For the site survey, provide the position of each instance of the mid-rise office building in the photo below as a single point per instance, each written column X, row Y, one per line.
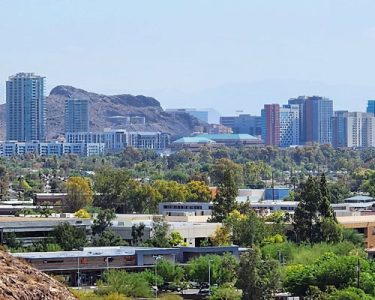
column 340, row 129
column 300, row 101
column 289, row 125
column 25, row 108
column 360, row 129
column 271, row 124
column 116, row 140
column 201, row 115
column 318, row 112
column 243, row 124
column 353, row 129
column 76, row 115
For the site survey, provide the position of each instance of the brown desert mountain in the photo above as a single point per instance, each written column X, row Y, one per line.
column 109, row 112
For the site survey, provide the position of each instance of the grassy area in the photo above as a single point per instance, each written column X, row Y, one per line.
column 290, row 253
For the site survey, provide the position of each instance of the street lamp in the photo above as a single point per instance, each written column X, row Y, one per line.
column 156, row 257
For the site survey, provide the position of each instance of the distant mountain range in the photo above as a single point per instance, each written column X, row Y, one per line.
column 108, row 112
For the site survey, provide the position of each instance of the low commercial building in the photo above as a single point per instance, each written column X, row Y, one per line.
column 230, row 140
column 84, row 266
column 31, row 229
column 13, row 209
column 194, row 231
column 185, row 208
column 54, row 199
column 276, row 193
column 364, row 225
column 267, row 207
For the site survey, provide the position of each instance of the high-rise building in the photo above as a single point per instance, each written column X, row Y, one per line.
column 25, row 108
column 300, row 101
column 371, row 107
column 360, row 129
column 340, row 129
column 76, row 115
column 317, row 120
column 271, row 124
column 289, row 125
column 228, row 121
column 201, row 115
column 243, row 124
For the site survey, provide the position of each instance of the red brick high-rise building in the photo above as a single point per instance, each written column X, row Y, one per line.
column 271, row 124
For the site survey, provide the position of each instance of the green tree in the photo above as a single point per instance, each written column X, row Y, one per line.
column 338, row 191
column 350, row 294
column 108, row 238
column 159, row 235
column 225, row 200
column 69, row 237
column 223, row 269
column 314, row 219
column 112, row 188
column 129, row 284
column 329, row 270
column 79, row 193
column 176, row 239
column 170, row 272
column 137, row 233
column 103, row 235
column 220, row 170
column 198, row 191
column 225, row 292
column 258, row 279
column 171, row 191
column 103, row 221
column 368, row 184
column 246, row 229
column 325, row 209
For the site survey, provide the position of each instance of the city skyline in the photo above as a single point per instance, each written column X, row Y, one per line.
column 232, row 57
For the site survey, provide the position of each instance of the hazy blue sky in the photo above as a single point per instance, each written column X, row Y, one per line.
column 227, row 55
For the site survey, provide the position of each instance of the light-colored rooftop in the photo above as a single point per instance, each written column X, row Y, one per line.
column 194, row 140
column 89, row 252
column 356, row 219
column 228, row 136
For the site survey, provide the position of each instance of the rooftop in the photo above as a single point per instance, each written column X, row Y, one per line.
column 356, row 219
column 90, row 251
column 359, row 198
column 228, row 136
column 194, row 140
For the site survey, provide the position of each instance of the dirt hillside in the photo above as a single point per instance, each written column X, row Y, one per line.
column 19, row 281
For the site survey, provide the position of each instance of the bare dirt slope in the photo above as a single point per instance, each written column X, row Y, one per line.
column 19, row 281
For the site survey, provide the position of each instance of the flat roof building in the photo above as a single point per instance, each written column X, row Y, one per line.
column 76, row 115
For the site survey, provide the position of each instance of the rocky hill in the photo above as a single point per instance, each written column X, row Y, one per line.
column 19, row 281
column 109, row 112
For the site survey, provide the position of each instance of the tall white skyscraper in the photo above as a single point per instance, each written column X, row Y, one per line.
column 360, row 129
column 25, row 108
column 289, row 125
